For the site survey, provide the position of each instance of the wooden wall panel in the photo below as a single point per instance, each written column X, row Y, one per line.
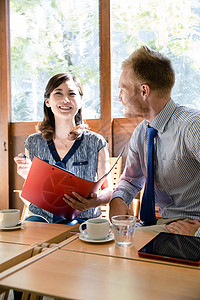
column 18, row 134
column 16, row 181
column 122, row 130
column 105, row 71
column 27, row 128
column 4, row 103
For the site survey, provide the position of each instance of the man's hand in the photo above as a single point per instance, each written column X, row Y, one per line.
column 118, row 207
column 81, row 203
column 183, row 227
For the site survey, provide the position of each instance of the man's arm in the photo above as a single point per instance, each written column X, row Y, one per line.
column 118, row 207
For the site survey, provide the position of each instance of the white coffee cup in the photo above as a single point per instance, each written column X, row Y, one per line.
column 9, row 217
column 97, row 229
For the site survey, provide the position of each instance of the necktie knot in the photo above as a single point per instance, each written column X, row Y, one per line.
column 152, row 133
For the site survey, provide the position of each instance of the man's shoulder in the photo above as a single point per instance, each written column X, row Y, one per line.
column 186, row 115
column 138, row 135
column 140, row 128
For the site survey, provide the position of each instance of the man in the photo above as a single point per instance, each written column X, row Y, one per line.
column 145, row 89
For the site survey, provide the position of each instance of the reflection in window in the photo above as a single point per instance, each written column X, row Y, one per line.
column 49, row 37
column 171, row 27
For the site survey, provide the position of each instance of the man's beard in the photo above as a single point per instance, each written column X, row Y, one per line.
column 134, row 111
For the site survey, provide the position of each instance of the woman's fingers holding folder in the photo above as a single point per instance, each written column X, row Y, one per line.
column 81, row 203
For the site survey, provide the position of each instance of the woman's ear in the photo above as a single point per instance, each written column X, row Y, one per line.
column 46, row 100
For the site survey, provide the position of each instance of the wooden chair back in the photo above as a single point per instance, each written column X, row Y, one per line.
column 25, row 207
column 115, row 175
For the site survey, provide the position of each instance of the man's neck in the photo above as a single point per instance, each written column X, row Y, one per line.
column 156, row 105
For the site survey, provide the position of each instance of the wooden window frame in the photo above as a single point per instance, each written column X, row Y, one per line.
column 4, row 103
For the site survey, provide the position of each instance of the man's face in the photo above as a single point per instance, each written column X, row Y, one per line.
column 130, row 95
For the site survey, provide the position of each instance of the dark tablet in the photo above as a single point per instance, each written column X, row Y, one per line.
column 173, row 247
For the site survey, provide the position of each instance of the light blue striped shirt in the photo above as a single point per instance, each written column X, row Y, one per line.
column 177, row 162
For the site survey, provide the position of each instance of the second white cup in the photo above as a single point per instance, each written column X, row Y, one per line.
column 96, row 229
column 9, row 217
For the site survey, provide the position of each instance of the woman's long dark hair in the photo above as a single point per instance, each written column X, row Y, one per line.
column 47, row 126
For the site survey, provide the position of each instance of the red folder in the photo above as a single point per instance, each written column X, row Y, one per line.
column 46, row 185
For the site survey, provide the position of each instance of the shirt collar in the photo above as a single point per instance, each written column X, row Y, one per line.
column 163, row 117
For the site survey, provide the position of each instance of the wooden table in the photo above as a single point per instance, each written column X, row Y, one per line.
column 76, row 275
column 8, row 252
column 110, row 249
column 35, row 232
column 19, row 245
column 78, row 270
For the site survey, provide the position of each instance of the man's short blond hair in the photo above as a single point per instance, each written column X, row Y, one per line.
column 152, row 68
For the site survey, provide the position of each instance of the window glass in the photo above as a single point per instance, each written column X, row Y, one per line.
column 49, row 37
column 171, row 27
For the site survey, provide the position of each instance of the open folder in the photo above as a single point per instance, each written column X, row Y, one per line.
column 46, row 185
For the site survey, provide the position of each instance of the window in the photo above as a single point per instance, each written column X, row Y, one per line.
column 49, row 37
column 171, row 27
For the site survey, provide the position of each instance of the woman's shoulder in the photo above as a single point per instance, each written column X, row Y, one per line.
column 88, row 134
column 94, row 140
column 35, row 138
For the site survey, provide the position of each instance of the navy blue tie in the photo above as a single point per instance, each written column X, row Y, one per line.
column 147, row 212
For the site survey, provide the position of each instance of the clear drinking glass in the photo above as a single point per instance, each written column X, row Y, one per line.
column 123, row 229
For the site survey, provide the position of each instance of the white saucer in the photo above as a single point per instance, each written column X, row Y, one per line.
column 85, row 238
column 18, row 226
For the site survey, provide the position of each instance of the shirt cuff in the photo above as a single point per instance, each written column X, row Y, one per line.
column 124, row 195
column 197, row 233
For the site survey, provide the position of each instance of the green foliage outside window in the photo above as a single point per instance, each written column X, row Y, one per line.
column 52, row 36
column 171, row 27
column 49, row 37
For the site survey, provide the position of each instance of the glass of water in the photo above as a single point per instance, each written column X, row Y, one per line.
column 123, row 229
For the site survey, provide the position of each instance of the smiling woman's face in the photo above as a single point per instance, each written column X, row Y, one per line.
column 65, row 100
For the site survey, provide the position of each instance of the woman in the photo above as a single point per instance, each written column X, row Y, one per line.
column 63, row 139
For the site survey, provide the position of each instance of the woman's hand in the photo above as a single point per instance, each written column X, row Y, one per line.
column 23, row 165
column 80, row 203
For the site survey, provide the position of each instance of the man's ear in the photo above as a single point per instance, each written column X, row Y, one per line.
column 46, row 100
column 145, row 90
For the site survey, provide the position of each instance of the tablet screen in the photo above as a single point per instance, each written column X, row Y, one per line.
column 174, row 247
